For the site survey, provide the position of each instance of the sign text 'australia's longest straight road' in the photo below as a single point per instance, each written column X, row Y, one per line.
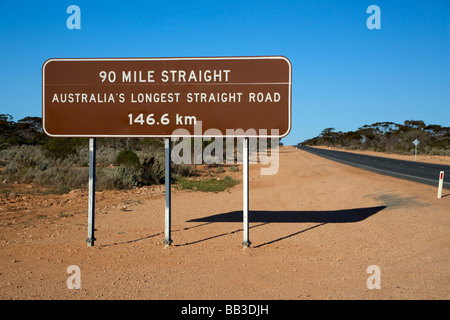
column 156, row 97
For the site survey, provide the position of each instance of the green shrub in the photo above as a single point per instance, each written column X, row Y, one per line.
column 117, row 178
column 58, row 191
column 128, row 158
column 58, row 177
column 30, row 157
column 212, row 185
column 220, row 170
column 183, row 170
column 7, row 155
column 61, row 148
column 106, row 155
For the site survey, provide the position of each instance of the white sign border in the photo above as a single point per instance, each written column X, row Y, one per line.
column 169, row 136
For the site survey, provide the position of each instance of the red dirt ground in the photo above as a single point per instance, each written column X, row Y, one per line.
column 320, row 226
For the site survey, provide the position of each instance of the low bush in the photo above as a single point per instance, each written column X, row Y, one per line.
column 61, row 148
column 117, row 178
column 128, row 158
column 211, row 185
column 47, row 166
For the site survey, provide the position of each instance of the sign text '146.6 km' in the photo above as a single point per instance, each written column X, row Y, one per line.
column 163, row 120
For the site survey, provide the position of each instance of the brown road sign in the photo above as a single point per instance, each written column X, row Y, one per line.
column 167, row 97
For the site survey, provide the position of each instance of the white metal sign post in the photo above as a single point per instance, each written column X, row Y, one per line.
column 91, row 202
column 246, row 242
column 168, row 205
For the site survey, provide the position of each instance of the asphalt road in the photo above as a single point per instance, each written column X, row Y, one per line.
column 410, row 170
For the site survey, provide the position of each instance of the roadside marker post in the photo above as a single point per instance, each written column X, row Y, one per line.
column 416, row 143
column 91, row 202
column 168, row 204
column 441, row 183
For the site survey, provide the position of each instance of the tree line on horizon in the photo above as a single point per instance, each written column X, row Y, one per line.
column 388, row 137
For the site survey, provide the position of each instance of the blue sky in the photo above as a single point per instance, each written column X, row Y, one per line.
column 344, row 75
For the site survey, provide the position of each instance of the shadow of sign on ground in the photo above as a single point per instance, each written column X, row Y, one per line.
column 333, row 216
column 265, row 217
